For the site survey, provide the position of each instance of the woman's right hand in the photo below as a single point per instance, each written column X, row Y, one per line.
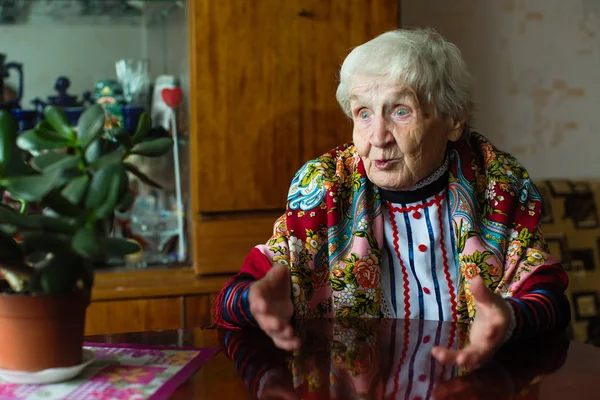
column 271, row 306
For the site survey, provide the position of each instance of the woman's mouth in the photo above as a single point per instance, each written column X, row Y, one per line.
column 383, row 164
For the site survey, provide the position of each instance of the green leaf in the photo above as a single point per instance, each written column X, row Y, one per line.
column 8, row 137
column 45, row 242
column 76, row 189
column 337, row 285
column 54, row 224
column 55, row 159
column 46, row 131
column 154, row 148
column 123, row 137
column 37, row 222
column 11, row 254
column 86, row 243
column 142, row 129
column 350, row 278
column 46, row 159
column 101, row 182
column 32, row 140
column 309, row 175
column 372, row 308
column 125, row 202
column 13, row 218
column 90, row 125
column 60, row 275
column 112, row 199
column 116, row 247
column 141, row 176
column 60, row 204
column 57, row 118
column 116, row 156
column 31, row 188
column 94, row 151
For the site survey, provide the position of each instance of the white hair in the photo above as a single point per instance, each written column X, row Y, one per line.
column 420, row 58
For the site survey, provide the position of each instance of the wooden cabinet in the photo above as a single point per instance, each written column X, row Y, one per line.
column 263, row 82
column 263, row 77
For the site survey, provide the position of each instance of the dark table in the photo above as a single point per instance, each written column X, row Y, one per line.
column 378, row 359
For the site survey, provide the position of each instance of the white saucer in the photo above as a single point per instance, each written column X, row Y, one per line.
column 46, row 376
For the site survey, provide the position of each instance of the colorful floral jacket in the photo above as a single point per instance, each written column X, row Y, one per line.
column 331, row 234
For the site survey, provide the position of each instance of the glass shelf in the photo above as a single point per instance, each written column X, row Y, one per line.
column 85, row 47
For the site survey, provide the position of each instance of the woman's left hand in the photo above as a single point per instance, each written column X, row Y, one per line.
column 487, row 332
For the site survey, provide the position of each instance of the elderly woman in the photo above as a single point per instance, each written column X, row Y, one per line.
column 419, row 217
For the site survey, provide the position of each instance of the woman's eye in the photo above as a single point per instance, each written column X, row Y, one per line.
column 363, row 115
column 401, row 112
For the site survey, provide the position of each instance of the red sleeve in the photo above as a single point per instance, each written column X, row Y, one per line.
column 256, row 264
column 232, row 309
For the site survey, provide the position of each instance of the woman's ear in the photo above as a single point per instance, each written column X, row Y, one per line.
column 455, row 129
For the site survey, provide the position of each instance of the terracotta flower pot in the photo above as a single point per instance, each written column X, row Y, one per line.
column 41, row 332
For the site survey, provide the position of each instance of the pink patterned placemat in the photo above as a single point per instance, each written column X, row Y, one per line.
column 120, row 371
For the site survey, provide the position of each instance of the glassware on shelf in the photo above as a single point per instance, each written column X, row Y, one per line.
column 134, row 78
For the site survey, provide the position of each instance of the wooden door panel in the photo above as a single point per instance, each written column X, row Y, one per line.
column 121, row 316
column 222, row 244
column 328, row 32
column 244, row 108
column 198, row 310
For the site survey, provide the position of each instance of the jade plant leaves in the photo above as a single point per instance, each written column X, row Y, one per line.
column 90, row 125
column 112, row 198
column 100, row 185
column 8, row 136
column 116, row 247
column 76, row 189
column 115, row 156
column 45, row 241
column 61, row 205
column 125, row 202
column 54, row 159
column 34, row 140
column 142, row 129
column 86, row 243
column 57, row 118
column 37, row 222
column 31, row 187
column 155, row 148
column 123, row 137
column 59, row 276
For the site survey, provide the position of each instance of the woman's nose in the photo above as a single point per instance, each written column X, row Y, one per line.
column 381, row 135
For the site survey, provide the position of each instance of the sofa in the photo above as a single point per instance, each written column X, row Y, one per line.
column 571, row 226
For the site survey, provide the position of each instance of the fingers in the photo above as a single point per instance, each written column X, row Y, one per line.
column 278, row 275
column 444, row 356
column 481, row 293
column 279, row 330
column 284, row 338
column 470, row 357
column 286, row 343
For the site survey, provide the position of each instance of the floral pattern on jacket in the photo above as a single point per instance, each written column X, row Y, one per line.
column 331, row 234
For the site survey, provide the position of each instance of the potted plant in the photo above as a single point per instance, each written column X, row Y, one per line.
column 64, row 184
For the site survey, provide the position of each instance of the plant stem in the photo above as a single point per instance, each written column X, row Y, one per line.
column 24, row 207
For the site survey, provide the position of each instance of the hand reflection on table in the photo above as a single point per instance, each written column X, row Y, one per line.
column 385, row 359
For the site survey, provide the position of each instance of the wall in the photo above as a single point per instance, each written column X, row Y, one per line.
column 536, row 65
column 84, row 53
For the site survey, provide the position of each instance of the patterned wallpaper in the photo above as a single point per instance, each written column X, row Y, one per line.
column 536, row 65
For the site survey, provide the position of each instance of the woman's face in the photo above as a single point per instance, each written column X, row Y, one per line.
column 399, row 139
